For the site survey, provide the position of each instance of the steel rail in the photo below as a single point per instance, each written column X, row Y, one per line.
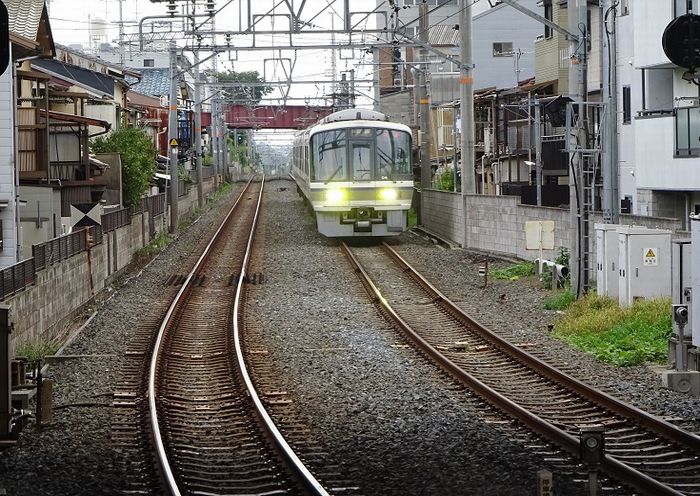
column 601, row 398
column 161, row 455
column 307, row 478
column 566, row 441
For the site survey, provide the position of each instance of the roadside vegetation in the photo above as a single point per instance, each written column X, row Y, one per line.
column 137, row 157
column 619, row 336
column 598, row 325
column 35, row 352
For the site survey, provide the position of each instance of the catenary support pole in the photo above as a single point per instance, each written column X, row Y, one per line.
column 466, row 96
column 538, row 150
column 424, row 103
column 173, row 137
column 198, row 130
column 611, row 199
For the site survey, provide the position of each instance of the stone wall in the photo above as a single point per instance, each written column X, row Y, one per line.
column 41, row 311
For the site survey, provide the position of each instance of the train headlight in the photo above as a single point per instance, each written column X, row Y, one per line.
column 335, row 195
column 388, row 194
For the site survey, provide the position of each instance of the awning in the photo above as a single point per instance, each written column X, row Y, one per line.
column 79, row 119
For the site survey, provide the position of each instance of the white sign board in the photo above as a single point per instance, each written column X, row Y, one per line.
column 539, row 235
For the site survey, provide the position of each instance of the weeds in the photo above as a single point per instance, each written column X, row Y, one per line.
column 37, row 351
column 514, row 272
column 560, row 301
column 620, row 336
column 161, row 240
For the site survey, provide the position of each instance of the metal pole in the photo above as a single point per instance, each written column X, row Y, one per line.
column 538, row 151
column 466, row 95
column 198, row 130
column 611, row 201
column 172, row 137
column 424, row 102
column 375, row 77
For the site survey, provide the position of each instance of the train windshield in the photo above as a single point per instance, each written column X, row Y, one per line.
column 361, row 154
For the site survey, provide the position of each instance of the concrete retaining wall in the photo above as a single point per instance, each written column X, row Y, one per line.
column 497, row 223
column 41, row 311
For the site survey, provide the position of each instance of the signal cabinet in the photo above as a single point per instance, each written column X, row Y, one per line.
column 607, row 264
column 695, row 279
column 644, row 263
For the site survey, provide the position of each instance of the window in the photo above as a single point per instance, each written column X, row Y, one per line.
column 682, row 7
column 503, row 49
column 549, row 15
column 393, row 155
column 329, row 156
column 148, row 62
column 626, row 105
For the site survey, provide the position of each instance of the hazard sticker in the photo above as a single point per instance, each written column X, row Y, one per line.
column 650, row 256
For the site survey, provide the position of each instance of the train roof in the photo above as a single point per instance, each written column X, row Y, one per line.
column 354, row 115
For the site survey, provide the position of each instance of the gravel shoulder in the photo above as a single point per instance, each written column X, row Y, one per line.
column 390, row 420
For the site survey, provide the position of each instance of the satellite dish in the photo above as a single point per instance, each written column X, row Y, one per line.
column 681, row 41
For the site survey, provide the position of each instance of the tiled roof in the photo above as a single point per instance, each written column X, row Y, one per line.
column 96, row 81
column 154, row 82
column 25, row 16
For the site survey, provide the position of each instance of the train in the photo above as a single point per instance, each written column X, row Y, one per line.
column 354, row 168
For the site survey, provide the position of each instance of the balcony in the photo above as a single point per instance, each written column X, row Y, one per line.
column 687, row 134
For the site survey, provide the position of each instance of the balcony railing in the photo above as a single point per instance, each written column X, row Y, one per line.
column 687, row 120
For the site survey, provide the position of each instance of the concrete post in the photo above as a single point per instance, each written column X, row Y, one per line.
column 538, row 151
column 466, row 95
column 5, row 377
column 173, row 137
column 611, row 194
column 198, row 130
column 424, row 103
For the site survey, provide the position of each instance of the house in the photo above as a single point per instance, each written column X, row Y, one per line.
column 658, row 115
column 30, row 37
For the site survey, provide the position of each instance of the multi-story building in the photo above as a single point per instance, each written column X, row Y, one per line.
column 658, row 114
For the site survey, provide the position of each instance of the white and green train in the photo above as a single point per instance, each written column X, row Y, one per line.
column 354, row 168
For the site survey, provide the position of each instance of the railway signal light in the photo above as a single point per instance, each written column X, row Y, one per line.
column 592, row 445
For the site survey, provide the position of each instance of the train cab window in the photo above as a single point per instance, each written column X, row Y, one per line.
column 393, row 155
column 329, row 156
column 361, row 160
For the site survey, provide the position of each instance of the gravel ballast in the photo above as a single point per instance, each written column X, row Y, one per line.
column 391, row 420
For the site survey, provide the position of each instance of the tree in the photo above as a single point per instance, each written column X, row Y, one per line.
column 138, row 160
column 245, row 93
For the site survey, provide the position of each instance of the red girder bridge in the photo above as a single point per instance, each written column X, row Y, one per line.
column 270, row 116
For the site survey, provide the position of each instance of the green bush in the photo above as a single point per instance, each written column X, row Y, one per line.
column 514, row 272
column 445, row 181
column 560, row 301
column 138, row 160
column 620, row 336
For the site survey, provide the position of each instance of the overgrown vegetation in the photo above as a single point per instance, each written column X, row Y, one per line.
column 37, row 351
column 161, row 240
column 445, row 180
column 220, row 191
column 412, row 218
column 138, row 160
column 620, row 336
column 560, row 301
column 514, row 272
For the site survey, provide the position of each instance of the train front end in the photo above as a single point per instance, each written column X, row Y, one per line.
column 361, row 180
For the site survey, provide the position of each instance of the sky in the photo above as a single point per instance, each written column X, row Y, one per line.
column 73, row 21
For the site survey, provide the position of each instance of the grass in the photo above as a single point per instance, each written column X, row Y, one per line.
column 619, row 336
column 37, row 351
column 161, row 240
column 514, row 272
column 412, row 218
column 560, row 301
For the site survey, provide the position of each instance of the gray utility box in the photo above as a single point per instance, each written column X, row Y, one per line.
column 695, row 279
column 645, row 263
column 607, row 256
column 680, row 276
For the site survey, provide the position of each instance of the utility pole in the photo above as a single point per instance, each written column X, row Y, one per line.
column 198, row 130
column 577, row 10
column 611, row 194
column 121, row 33
column 424, row 103
column 538, row 151
column 466, row 97
column 173, row 137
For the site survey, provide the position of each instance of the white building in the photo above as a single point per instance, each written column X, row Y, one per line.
column 658, row 115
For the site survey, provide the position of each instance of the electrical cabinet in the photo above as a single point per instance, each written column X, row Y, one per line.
column 695, row 278
column 607, row 255
column 644, row 263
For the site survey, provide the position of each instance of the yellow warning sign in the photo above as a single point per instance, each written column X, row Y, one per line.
column 173, row 142
column 650, row 256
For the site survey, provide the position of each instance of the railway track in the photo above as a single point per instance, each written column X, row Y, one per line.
column 642, row 451
column 209, row 429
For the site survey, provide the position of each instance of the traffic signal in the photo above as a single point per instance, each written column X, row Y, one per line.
column 4, row 38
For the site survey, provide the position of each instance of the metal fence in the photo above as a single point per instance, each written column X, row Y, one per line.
column 17, row 277
column 22, row 274
column 114, row 220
